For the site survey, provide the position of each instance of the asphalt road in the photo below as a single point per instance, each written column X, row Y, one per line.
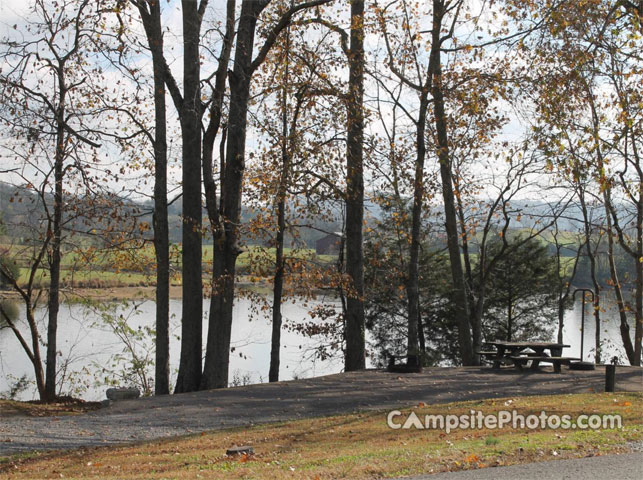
column 172, row 415
column 627, row 466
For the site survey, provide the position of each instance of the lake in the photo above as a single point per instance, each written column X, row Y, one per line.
column 88, row 346
column 84, row 341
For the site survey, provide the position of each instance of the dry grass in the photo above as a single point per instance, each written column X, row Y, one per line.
column 352, row 446
column 65, row 406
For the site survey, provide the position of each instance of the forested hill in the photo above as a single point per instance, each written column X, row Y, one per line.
column 18, row 204
column 20, row 213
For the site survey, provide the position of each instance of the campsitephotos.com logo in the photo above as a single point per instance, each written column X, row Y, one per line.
column 476, row 420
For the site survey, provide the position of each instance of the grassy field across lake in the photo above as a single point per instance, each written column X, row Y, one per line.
column 90, row 268
column 357, row 446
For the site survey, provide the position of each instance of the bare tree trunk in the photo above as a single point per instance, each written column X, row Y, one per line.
column 32, row 352
column 152, row 24
column 593, row 267
column 564, row 283
column 638, row 329
column 633, row 352
column 475, row 307
column 226, row 248
column 54, row 268
column 421, row 334
column 597, row 295
column 453, row 244
column 214, row 213
column 37, row 358
column 189, row 376
column 624, row 326
column 412, row 285
column 355, row 343
column 561, row 322
column 340, row 270
column 226, row 234
column 275, row 345
column 278, row 283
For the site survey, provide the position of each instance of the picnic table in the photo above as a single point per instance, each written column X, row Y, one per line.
column 519, row 353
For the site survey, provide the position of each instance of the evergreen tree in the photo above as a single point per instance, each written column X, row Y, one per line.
column 521, row 299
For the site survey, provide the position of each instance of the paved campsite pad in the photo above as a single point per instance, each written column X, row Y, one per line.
column 172, row 415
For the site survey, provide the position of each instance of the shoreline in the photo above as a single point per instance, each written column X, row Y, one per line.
column 105, row 294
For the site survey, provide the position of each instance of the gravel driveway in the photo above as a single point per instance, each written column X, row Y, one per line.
column 165, row 416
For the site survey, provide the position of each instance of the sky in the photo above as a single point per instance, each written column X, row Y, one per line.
column 12, row 11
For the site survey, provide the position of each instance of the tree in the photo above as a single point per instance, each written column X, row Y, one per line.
column 440, row 91
column 223, row 207
column 190, row 113
column 293, row 176
column 150, row 13
column 197, row 154
column 226, row 227
column 355, row 343
column 565, row 277
column 423, row 87
column 49, row 90
column 190, row 108
column 30, row 298
column 521, row 295
column 386, row 249
column 352, row 261
column 593, row 131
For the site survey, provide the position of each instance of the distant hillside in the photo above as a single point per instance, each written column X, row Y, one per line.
column 22, row 213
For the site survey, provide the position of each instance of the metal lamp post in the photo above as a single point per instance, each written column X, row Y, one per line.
column 582, row 365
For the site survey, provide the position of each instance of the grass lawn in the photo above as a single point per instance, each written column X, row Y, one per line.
column 89, row 278
column 353, row 446
column 99, row 269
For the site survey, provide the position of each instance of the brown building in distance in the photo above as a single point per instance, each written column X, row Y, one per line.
column 329, row 244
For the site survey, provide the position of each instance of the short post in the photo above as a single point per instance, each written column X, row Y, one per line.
column 610, row 376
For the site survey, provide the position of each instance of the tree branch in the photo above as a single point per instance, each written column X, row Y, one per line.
column 283, row 22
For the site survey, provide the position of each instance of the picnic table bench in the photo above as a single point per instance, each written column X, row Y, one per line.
column 515, row 353
column 412, row 365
